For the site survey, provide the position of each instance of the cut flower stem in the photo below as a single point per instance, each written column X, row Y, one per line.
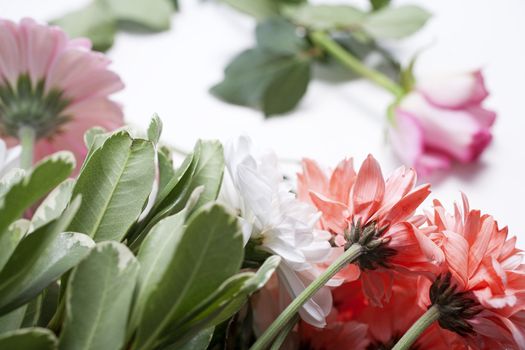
column 281, row 322
column 281, row 338
column 427, row 319
column 331, row 47
column 27, row 136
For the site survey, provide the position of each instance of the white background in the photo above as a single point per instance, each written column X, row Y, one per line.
column 170, row 73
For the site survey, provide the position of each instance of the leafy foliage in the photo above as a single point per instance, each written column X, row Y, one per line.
column 99, row 293
column 100, row 19
column 123, row 171
column 184, row 281
column 274, row 75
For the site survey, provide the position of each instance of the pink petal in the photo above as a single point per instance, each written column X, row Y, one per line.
column 313, row 178
column 342, row 180
column 368, row 190
column 455, row 248
column 406, row 137
column 407, row 205
column 334, row 213
column 41, row 44
column 454, row 91
column 479, row 246
column 400, row 183
column 458, row 133
column 10, row 55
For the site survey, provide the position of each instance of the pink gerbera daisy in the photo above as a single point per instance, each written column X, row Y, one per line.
column 483, row 274
column 362, row 208
column 54, row 86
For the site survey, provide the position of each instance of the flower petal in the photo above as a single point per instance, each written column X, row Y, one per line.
column 368, row 190
column 454, row 91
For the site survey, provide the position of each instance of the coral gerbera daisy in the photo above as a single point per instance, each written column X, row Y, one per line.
column 53, row 88
column 362, row 208
column 481, row 292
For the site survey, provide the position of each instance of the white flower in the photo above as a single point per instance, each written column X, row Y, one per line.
column 277, row 222
column 9, row 158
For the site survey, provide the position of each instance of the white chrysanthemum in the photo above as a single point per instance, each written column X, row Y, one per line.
column 9, row 158
column 277, row 222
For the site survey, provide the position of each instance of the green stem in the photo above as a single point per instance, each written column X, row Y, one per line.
column 324, row 41
column 429, row 317
column 281, row 338
column 291, row 310
column 56, row 321
column 27, row 137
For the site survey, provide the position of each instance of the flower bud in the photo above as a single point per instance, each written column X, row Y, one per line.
column 442, row 120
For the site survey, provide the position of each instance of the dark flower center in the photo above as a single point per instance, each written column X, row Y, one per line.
column 455, row 307
column 376, row 252
column 28, row 105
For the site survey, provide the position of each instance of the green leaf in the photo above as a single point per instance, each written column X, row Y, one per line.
column 204, row 167
column 233, row 293
column 166, row 171
column 91, row 135
column 287, row 89
column 12, row 320
column 154, row 256
column 94, row 21
column 114, row 184
column 29, row 339
column 208, row 172
column 32, row 313
column 156, row 253
column 98, row 299
column 194, row 272
column 250, row 76
column 280, row 36
column 152, row 14
column 379, row 4
column 155, row 129
column 11, row 178
column 41, row 258
column 53, row 205
column 198, row 342
column 61, row 255
column 274, row 76
column 326, row 17
column 259, row 9
column 46, row 175
column 396, row 23
column 10, row 239
column 49, row 303
column 226, row 301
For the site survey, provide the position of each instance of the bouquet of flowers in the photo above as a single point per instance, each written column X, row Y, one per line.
column 128, row 250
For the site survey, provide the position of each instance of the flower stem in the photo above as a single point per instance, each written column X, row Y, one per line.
column 324, row 41
column 291, row 310
column 281, row 338
column 27, row 138
column 429, row 317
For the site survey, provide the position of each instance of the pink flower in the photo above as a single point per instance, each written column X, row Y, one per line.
column 442, row 120
column 55, row 85
column 335, row 336
column 353, row 204
column 372, row 326
column 485, row 267
column 384, row 324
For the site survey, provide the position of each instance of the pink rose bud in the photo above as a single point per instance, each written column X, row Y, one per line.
column 441, row 121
